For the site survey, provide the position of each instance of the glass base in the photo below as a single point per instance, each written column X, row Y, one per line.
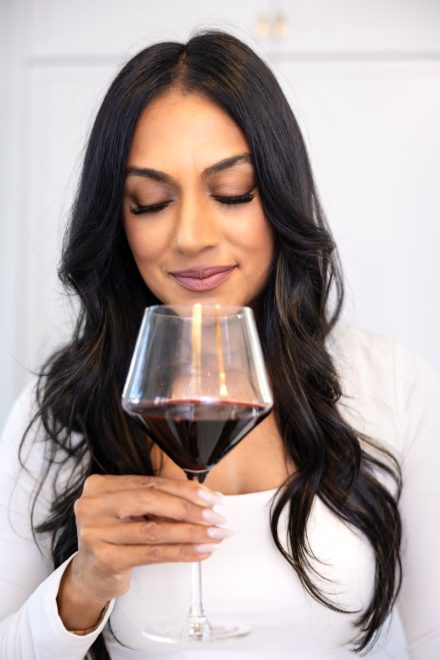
column 196, row 632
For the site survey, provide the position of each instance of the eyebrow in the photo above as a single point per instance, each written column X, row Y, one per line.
column 212, row 169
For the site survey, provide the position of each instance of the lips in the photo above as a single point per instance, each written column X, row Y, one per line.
column 203, row 279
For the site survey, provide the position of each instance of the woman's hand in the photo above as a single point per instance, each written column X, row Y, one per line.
column 126, row 521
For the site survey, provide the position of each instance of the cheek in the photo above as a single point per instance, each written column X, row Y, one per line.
column 264, row 239
column 256, row 238
column 147, row 242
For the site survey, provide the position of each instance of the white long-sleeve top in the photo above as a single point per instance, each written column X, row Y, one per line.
column 389, row 394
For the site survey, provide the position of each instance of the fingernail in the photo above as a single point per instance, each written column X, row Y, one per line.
column 209, row 496
column 213, row 517
column 219, row 532
column 203, row 548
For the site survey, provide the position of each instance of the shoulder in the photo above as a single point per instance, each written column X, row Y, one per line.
column 29, row 457
column 22, row 442
column 365, row 363
column 19, row 420
column 364, row 350
column 22, row 466
column 386, row 386
column 379, row 360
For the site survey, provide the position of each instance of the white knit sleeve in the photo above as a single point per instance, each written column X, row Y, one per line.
column 30, row 627
column 418, row 401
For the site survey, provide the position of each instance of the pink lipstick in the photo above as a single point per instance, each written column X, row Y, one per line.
column 202, row 279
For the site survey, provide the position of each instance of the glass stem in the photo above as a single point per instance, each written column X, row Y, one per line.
column 196, row 590
column 198, row 627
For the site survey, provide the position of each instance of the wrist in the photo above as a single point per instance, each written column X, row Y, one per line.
column 86, row 631
column 80, row 611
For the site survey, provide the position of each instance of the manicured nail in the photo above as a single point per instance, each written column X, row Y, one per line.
column 219, row 532
column 209, row 496
column 204, row 548
column 213, row 517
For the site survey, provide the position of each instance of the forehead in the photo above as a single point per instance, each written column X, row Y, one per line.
column 179, row 127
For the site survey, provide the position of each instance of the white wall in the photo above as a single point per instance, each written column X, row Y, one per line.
column 9, row 352
column 364, row 82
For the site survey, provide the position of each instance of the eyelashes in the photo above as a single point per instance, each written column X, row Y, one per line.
column 151, row 208
column 231, row 200
column 236, row 199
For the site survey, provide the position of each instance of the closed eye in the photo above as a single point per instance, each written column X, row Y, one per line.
column 150, row 208
column 230, row 199
column 235, row 199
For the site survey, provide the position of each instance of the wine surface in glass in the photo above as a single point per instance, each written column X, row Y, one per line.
column 196, row 434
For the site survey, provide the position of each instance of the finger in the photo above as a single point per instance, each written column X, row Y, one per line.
column 144, row 502
column 155, row 532
column 191, row 490
column 113, row 559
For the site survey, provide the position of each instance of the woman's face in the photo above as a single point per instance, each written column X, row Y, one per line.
column 192, row 213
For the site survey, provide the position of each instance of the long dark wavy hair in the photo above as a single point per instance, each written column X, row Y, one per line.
column 80, row 386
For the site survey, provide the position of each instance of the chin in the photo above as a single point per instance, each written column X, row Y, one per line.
column 209, row 298
column 220, row 300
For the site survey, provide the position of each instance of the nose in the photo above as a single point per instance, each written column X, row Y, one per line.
column 196, row 227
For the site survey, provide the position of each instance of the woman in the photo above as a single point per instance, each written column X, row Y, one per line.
column 196, row 162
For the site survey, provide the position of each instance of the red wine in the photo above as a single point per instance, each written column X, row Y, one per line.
column 198, row 435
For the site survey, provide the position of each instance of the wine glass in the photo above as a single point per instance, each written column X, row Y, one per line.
column 197, row 384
